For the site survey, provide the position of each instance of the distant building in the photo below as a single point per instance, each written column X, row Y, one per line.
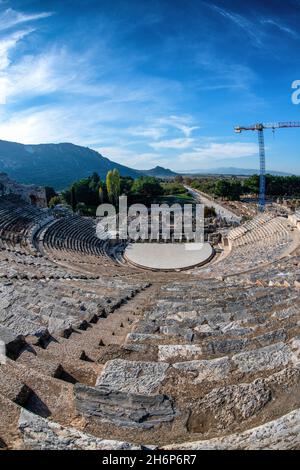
column 34, row 195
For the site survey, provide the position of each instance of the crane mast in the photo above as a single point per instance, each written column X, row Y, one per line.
column 259, row 128
column 262, row 173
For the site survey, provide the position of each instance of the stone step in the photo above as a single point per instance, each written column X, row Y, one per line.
column 40, row 434
column 255, row 362
column 9, row 433
column 13, row 343
column 45, row 367
column 108, row 331
column 282, row 433
column 49, row 396
column 264, row 359
column 122, row 409
column 13, row 388
column 64, row 368
column 235, row 406
column 132, row 376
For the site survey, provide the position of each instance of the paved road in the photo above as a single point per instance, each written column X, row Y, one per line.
column 220, row 210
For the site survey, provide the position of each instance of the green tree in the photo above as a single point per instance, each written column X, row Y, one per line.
column 109, row 185
column 101, row 194
column 81, row 208
column 222, row 188
column 251, row 184
column 147, row 186
column 54, row 201
column 50, row 193
column 178, row 179
column 235, row 190
column 113, row 185
column 126, row 184
column 116, row 184
column 174, row 188
column 73, row 198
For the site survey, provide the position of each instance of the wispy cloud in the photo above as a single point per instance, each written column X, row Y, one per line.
column 59, row 70
column 153, row 132
column 11, row 18
column 172, row 144
column 282, row 27
column 242, row 22
column 223, row 74
column 141, row 161
column 255, row 27
column 142, row 92
column 92, row 126
column 8, row 43
column 219, row 151
column 179, row 122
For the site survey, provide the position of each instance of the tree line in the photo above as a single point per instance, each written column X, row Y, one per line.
column 234, row 188
column 85, row 195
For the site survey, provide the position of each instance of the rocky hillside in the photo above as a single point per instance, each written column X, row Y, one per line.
column 56, row 165
column 159, row 172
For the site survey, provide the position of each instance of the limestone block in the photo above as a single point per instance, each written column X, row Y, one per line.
column 132, row 376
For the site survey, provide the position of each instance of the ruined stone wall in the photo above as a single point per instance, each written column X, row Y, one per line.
column 294, row 219
column 32, row 194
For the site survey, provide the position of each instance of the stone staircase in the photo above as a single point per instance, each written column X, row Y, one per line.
column 102, row 356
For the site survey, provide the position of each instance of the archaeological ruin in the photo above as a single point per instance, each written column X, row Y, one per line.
column 102, row 354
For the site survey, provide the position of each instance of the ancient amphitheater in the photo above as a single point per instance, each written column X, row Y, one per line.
column 103, row 355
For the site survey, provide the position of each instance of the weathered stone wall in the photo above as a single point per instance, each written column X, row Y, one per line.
column 32, row 194
column 294, row 219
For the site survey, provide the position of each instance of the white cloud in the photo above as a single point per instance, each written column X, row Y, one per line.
column 85, row 124
column 42, row 74
column 149, row 132
column 242, row 22
column 60, row 71
column 8, row 43
column 187, row 131
column 219, row 151
column 159, row 127
column 51, row 124
column 172, row 144
column 138, row 160
column 11, row 18
column 254, row 28
column 131, row 158
column 179, row 122
column 221, row 73
column 283, row 28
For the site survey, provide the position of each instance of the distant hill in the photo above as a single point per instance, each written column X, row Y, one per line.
column 233, row 171
column 56, row 165
column 159, row 172
column 59, row 165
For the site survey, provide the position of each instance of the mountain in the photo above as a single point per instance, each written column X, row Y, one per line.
column 159, row 172
column 56, row 165
column 234, row 171
column 59, row 165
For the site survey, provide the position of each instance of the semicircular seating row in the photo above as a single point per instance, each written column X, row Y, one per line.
column 208, row 364
column 71, row 238
column 17, row 220
column 189, row 363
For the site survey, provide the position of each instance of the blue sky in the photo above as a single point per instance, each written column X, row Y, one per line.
column 152, row 82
